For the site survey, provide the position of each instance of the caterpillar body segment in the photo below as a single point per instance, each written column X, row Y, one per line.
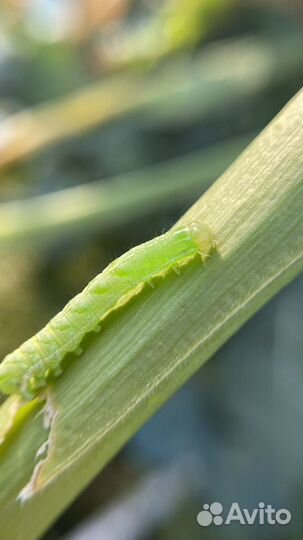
column 26, row 370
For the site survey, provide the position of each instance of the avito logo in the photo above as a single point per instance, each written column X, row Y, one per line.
column 263, row 514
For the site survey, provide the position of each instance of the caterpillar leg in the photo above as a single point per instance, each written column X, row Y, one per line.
column 47, row 373
column 57, row 371
column 204, row 256
column 35, row 383
column 150, row 283
column 97, row 328
column 78, row 351
column 28, row 387
column 177, row 270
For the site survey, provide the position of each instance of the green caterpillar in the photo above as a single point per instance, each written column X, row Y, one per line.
column 26, row 370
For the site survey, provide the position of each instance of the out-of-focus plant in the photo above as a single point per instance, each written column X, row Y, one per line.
column 103, row 204
column 172, row 25
column 180, row 91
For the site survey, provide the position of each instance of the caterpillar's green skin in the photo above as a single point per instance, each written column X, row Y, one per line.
column 25, row 371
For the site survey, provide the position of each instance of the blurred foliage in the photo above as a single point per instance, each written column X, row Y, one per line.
column 227, row 67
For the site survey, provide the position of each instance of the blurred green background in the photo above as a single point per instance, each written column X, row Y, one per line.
column 114, row 117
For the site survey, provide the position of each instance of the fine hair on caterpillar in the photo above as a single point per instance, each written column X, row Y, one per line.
column 26, row 370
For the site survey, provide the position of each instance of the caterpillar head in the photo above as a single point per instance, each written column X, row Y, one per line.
column 203, row 238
